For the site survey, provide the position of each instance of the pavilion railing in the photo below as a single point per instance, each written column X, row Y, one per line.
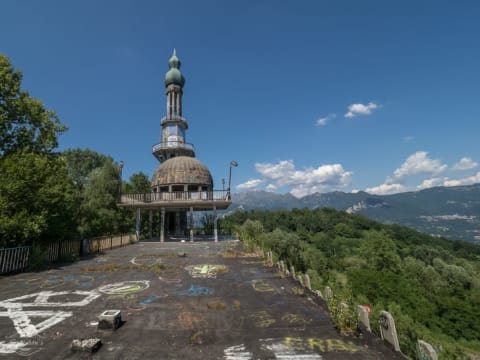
column 215, row 195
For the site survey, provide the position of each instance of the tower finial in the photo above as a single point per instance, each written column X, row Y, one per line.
column 174, row 52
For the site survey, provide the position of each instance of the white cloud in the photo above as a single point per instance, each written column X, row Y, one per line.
column 429, row 183
column 469, row 180
column 360, row 109
column 445, row 181
column 250, row 184
column 304, row 182
column 415, row 164
column 271, row 187
column 465, row 164
column 324, row 120
column 408, row 138
column 385, row 189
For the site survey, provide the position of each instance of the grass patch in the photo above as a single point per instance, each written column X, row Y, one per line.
column 156, row 268
column 298, row 291
column 216, row 305
column 169, row 254
column 110, row 267
column 236, row 305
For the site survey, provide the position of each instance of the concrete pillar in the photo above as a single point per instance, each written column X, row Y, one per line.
column 327, row 292
column 177, row 104
column 215, row 233
column 191, row 224
column 308, row 283
column 177, row 223
column 137, row 225
column 363, row 316
column 162, row 225
column 150, row 219
column 388, row 330
column 426, row 351
column 180, row 104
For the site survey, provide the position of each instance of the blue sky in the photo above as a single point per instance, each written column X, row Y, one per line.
column 306, row 96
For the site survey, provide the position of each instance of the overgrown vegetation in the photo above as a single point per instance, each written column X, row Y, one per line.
column 430, row 285
column 46, row 195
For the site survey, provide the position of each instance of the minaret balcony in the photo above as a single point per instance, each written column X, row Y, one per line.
column 167, row 149
column 174, row 119
column 167, row 145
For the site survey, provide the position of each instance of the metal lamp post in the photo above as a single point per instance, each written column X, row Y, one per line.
column 233, row 163
column 120, row 168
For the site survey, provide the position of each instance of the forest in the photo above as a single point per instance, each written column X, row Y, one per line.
column 430, row 285
column 49, row 195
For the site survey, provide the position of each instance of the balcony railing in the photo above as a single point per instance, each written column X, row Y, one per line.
column 176, row 196
column 172, row 144
column 172, row 119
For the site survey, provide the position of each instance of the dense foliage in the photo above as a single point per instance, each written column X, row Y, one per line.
column 46, row 195
column 430, row 285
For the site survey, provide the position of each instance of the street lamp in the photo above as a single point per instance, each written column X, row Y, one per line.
column 233, row 163
column 223, row 185
column 120, row 168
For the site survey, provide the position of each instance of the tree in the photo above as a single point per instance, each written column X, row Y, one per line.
column 24, row 122
column 80, row 164
column 35, row 199
column 379, row 251
column 99, row 213
column 35, row 194
column 138, row 183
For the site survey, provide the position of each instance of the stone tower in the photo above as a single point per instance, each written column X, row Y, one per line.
column 181, row 184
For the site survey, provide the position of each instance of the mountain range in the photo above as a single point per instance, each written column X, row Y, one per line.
column 450, row 212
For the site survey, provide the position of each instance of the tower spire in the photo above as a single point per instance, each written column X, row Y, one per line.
column 174, row 125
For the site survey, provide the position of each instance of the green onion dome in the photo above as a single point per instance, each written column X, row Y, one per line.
column 174, row 76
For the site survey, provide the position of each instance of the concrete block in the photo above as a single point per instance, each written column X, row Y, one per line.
column 363, row 316
column 86, row 345
column 425, row 351
column 327, row 293
column 308, row 284
column 300, row 279
column 110, row 319
column 388, row 330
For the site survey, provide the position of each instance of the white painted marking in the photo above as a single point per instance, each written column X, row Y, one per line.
column 283, row 352
column 41, row 299
column 12, row 347
column 238, row 352
column 22, row 319
column 25, row 328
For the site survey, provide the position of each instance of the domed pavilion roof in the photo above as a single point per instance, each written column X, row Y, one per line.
column 182, row 170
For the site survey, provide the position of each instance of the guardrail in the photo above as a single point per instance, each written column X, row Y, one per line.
column 17, row 259
column 215, row 195
column 13, row 259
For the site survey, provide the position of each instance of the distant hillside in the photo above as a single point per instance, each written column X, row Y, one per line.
column 451, row 212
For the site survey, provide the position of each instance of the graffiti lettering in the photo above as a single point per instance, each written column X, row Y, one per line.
column 262, row 319
column 125, row 287
column 262, row 286
column 205, row 270
column 194, row 290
